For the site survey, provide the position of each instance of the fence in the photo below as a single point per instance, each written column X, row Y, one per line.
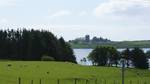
column 81, row 81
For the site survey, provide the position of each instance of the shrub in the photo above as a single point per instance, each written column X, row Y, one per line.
column 47, row 58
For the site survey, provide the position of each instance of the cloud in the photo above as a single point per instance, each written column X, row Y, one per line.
column 60, row 14
column 4, row 3
column 113, row 6
column 82, row 13
column 3, row 20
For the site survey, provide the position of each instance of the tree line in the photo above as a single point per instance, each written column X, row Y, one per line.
column 88, row 40
column 34, row 45
column 109, row 56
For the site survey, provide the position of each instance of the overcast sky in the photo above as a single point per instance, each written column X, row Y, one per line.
column 113, row 19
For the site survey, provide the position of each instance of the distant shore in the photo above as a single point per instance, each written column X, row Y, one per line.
column 117, row 44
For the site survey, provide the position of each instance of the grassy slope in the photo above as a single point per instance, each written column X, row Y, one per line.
column 36, row 70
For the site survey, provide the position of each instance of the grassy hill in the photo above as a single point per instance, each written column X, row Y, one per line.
column 49, row 72
column 117, row 44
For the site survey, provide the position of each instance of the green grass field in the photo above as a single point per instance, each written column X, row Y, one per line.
column 49, row 72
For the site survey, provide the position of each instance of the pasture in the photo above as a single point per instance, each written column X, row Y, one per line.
column 37, row 72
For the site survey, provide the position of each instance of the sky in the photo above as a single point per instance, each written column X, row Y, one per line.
column 113, row 19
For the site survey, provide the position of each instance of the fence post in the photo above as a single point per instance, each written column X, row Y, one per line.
column 58, row 81
column 95, row 81
column 138, row 82
column 86, row 81
column 19, row 80
column 75, row 81
column 104, row 81
column 40, row 81
column 114, row 82
column 130, row 81
column 31, row 81
column 145, row 82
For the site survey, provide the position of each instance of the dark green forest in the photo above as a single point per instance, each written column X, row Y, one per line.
column 33, row 45
column 109, row 56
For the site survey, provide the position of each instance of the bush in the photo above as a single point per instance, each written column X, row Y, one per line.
column 47, row 58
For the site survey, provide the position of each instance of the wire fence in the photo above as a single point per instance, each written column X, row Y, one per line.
column 70, row 81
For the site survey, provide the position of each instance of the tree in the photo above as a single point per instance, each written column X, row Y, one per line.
column 116, row 58
column 66, row 51
column 99, row 56
column 32, row 45
column 83, row 60
column 113, row 56
column 127, row 55
column 103, row 56
column 139, row 58
column 148, row 54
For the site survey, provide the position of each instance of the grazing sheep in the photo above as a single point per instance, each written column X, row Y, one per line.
column 9, row 65
column 47, row 72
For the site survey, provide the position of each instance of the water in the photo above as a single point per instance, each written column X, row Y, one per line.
column 81, row 53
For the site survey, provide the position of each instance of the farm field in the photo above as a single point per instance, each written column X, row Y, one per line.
column 50, row 72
